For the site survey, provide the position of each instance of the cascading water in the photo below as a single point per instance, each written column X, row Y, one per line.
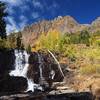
column 40, row 61
column 42, row 80
column 21, row 68
column 21, row 64
column 52, row 74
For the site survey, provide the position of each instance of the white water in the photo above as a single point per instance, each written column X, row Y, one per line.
column 56, row 62
column 52, row 74
column 40, row 61
column 21, row 68
column 40, row 65
column 21, row 63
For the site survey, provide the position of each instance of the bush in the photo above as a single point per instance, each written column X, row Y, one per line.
column 84, row 38
column 70, row 52
column 90, row 69
column 28, row 48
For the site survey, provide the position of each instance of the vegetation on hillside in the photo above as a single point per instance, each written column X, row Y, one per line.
column 12, row 41
column 82, row 49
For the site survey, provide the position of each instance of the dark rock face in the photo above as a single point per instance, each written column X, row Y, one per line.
column 47, row 63
column 33, row 69
column 71, row 96
column 58, row 76
column 7, row 60
column 13, row 84
column 9, row 83
column 47, row 66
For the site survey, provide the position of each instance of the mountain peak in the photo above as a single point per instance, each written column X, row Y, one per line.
column 96, row 21
column 63, row 24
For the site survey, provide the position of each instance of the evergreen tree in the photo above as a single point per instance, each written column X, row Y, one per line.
column 84, row 37
column 2, row 21
column 29, row 48
column 19, row 40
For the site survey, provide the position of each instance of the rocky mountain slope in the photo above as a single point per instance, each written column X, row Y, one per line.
column 66, row 24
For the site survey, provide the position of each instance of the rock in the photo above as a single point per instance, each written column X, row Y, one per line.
column 7, row 60
column 13, row 84
column 47, row 96
column 71, row 96
column 63, row 25
column 47, row 64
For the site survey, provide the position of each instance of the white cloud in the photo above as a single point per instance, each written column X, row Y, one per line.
column 36, row 4
column 23, row 21
column 11, row 26
column 22, row 17
column 35, row 15
column 53, row 6
column 22, row 6
column 10, row 10
column 13, row 2
column 10, row 29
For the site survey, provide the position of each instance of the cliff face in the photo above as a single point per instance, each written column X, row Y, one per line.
column 66, row 24
column 95, row 25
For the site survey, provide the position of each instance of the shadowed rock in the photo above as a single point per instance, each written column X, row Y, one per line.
column 47, row 64
column 13, row 84
column 7, row 60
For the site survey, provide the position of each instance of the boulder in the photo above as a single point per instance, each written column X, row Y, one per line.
column 13, row 84
column 7, row 60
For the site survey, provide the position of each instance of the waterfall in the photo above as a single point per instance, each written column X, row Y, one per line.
column 40, row 64
column 21, row 63
column 21, row 68
column 40, row 61
column 56, row 62
column 52, row 74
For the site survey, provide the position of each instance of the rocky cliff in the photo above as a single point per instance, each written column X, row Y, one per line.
column 66, row 24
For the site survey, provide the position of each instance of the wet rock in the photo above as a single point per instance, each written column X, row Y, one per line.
column 33, row 69
column 47, row 64
column 46, row 96
column 71, row 96
column 7, row 60
column 13, row 84
column 33, row 58
column 58, row 76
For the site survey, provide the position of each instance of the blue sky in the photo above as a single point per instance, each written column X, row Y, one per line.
column 24, row 12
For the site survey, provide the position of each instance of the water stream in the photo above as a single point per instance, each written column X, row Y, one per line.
column 21, row 68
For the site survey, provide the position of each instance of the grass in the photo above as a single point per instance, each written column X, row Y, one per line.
column 90, row 69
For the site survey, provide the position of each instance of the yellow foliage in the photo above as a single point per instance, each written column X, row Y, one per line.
column 48, row 41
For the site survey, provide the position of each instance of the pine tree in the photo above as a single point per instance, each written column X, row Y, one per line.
column 2, row 20
column 84, row 37
column 19, row 40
